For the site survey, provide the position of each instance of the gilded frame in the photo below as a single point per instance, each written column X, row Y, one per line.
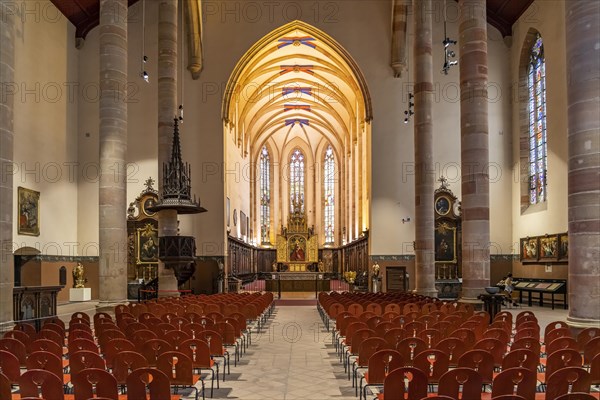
column 445, row 244
column 28, row 212
column 548, row 248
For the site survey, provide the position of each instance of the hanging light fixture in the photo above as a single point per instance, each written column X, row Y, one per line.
column 144, row 59
column 182, row 76
column 448, row 53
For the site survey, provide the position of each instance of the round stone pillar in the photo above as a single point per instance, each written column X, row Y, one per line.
column 167, row 110
column 113, row 150
column 583, row 112
column 424, row 169
column 474, row 148
column 7, row 65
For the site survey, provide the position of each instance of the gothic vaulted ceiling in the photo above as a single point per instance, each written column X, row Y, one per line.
column 84, row 14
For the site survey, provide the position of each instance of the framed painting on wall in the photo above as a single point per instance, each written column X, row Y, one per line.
column 563, row 247
column 29, row 212
column 147, row 245
column 445, row 243
column 548, row 249
column 529, row 249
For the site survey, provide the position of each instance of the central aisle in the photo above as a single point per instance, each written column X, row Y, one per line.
column 292, row 359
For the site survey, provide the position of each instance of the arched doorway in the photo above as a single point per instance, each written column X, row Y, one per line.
column 297, row 127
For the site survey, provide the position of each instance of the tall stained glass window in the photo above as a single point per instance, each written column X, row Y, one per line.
column 536, row 83
column 297, row 181
column 265, row 195
column 329, row 194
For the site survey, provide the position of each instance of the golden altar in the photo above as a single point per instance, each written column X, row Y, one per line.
column 297, row 245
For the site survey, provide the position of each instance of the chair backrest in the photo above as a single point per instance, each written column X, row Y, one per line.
column 177, row 366
column 214, row 340
column 45, row 360
column 56, row 337
column 394, row 336
column 552, row 326
column 566, row 380
column 521, row 358
column 116, row 346
column 586, row 335
column 94, row 381
column 15, row 347
column 176, row 337
column 81, row 360
column 466, row 335
column 198, row 351
column 527, row 343
column 20, row 336
column 497, row 333
column 431, row 336
column 5, row 387
column 576, row 396
column 156, row 381
column 453, row 347
column 493, row 346
column 46, row 345
column 126, row 362
column 590, row 350
column 433, row 362
column 9, row 366
column 82, row 344
column 557, row 333
column 381, row 363
column 480, row 361
column 466, row 379
column 36, row 382
column 108, row 335
column 523, row 379
column 358, row 337
column 410, row 347
column 563, row 358
column 153, row 348
column 595, row 370
column 395, row 387
column 368, row 347
column 564, row 342
column 509, row 397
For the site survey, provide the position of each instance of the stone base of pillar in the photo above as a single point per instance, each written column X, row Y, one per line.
column 167, row 282
column 579, row 323
column 7, row 326
column 431, row 292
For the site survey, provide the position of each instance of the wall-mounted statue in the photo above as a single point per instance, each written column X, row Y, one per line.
column 79, row 279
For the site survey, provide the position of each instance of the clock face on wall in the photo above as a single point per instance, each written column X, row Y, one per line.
column 442, row 205
column 234, row 217
column 148, row 203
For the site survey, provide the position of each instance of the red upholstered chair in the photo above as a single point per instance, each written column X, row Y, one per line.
column 394, row 387
column 409, row 348
column 178, row 368
column 199, row 352
column 480, row 361
column 9, row 366
column 381, row 363
column 434, row 363
column 126, row 362
column 521, row 358
column 93, row 381
column 40, row 383
column 156, row 381
column 567, row 380
column 576, row 396
column 5, row 387
column 114, row 347
column 83, row 360
column 15, row 347
column 523, row 379
column 454, row 348
column 468, row 379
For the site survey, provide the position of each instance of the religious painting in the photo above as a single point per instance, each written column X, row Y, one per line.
column 548, row 249
column 29, row 212
column 442, row 205
column 529, row 249
column 563, row 247
column 147, row 245
column 297, row 249
column 445, row 243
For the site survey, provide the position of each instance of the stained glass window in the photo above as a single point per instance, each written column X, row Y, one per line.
column 265, row 195
column 297, row 181
column 329, row 194
column 536, row 84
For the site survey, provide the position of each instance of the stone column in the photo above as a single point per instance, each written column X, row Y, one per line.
column 583, row 112
column 113, row 150
column 399, row 25
column 7, row 64
column 474, row 148
column 424, row 171
column 167, row 110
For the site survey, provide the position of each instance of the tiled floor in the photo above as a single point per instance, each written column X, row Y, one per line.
column 293, row 357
